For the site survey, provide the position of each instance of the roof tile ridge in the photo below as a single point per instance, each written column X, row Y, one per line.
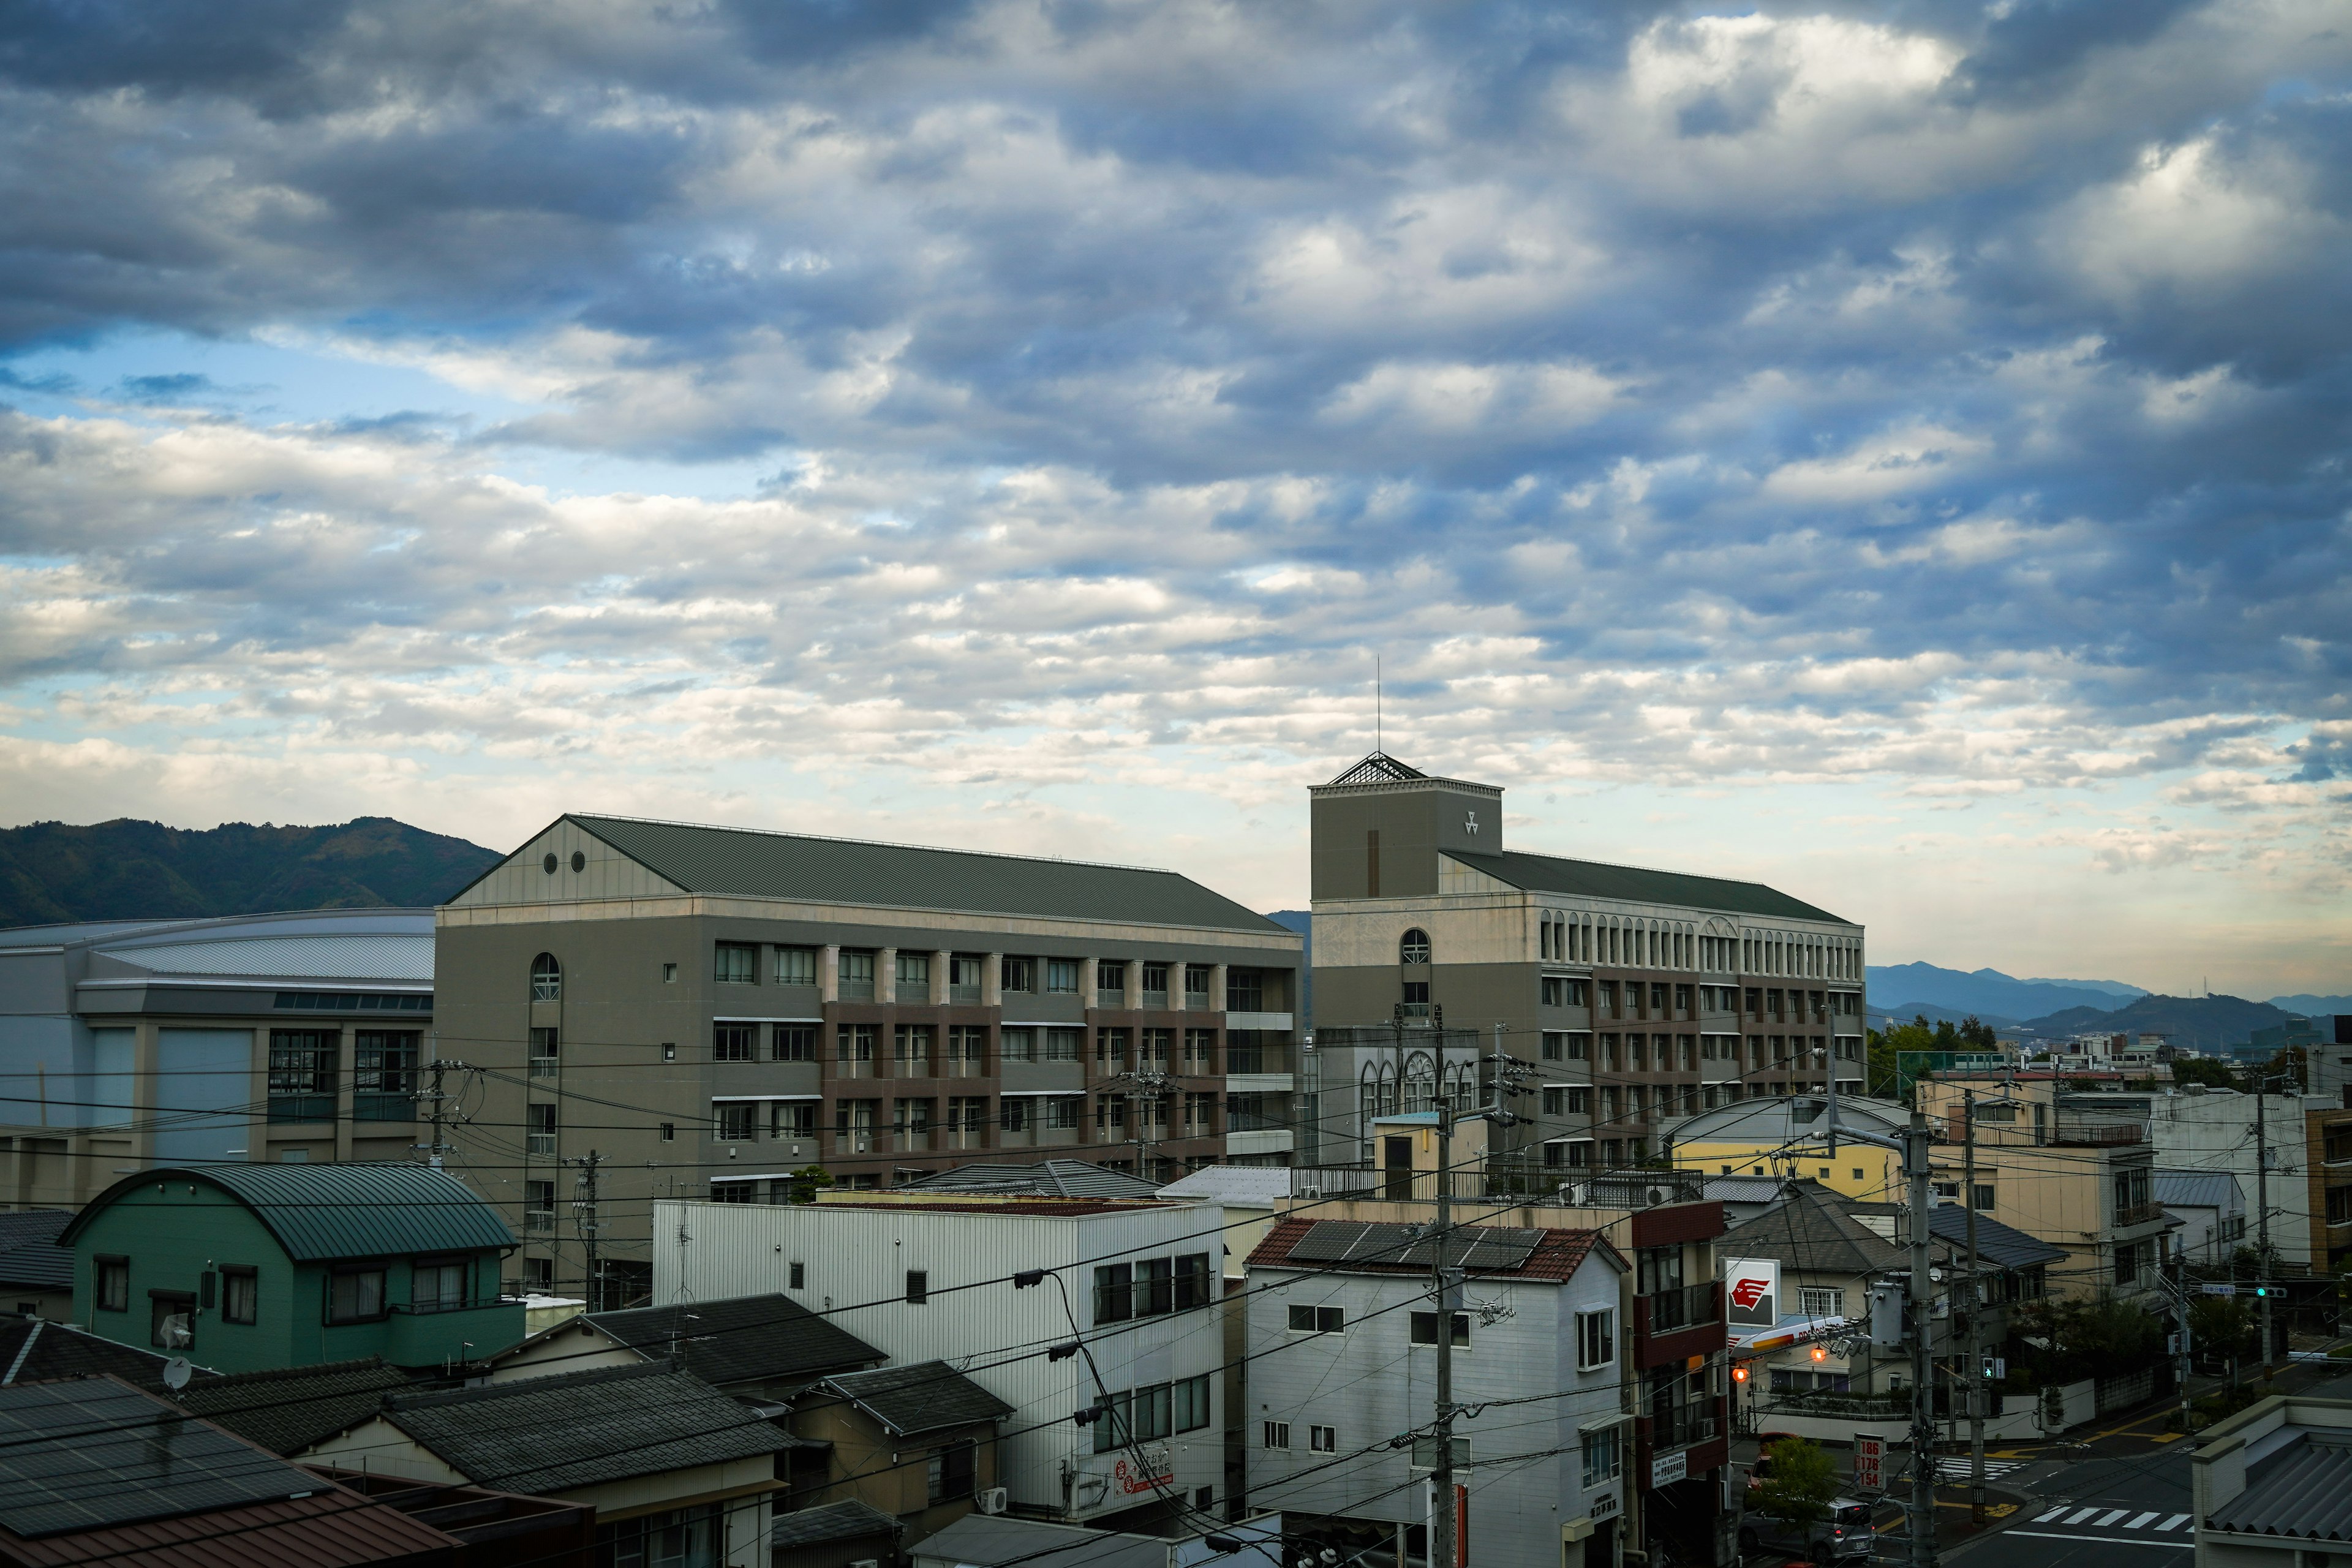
column 586, row 1376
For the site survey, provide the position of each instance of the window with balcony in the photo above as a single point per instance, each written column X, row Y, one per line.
column 1155, row 985
column 1197, row 977
column 736, row 962
column 910, row 1049
column 1062, row 976
column 795, row 967
column 854, row 1049
column 734, row 1042
column 546, row 979
column 1017, row 975
column 438, row 1284
column 856, row 976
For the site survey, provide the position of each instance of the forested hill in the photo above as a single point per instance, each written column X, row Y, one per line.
column 2203, row 1022
column 55, row 871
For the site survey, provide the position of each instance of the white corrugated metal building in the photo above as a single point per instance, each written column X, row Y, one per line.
column 925, row 1277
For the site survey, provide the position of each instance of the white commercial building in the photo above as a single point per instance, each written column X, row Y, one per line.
column 2214, row 1129
column 1137, row 1283
column 1342, row 1337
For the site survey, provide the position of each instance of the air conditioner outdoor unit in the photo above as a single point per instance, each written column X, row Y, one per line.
column 991, row 1500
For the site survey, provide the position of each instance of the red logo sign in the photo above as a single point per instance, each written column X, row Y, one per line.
column 1749, row 1292
column 1132, row 1484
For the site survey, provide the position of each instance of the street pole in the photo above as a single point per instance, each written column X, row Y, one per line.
column 1975, row 1384
column 1443, row 1551
column 436, row 1149
column 583, row 1213
column 1922, row 1362
column 2263, row 1217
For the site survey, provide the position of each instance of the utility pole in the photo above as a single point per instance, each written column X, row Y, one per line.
column 2262, row 1218
column 1923, row 1360
column 1442, row 1551
column 1975, row 1384
column 434, row 1097
column 583, row 1213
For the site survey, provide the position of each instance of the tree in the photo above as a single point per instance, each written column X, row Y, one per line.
column 1885, row 1049
column 2212, row 1071
column 1977, row 1036
column 1798, row 1483
column 807, row 1180
column 2072, row 1339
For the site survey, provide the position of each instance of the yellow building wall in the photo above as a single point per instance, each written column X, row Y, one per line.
column 1856, row 1171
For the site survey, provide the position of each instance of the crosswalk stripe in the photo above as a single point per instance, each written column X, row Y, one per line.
column 2109, row 1519
column 2142, row 1520
column 2175, row 1523
column 2082, row 1516
column 2054, row 1513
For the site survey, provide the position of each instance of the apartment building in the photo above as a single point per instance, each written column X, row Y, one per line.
column 1637, row 996
column 1778, row 1137
column 707, row 1011
column 1331, row 1298
column 929, row 1278
column 267, row 1038
column 2076, row 1170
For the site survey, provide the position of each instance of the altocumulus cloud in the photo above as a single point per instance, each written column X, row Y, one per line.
column 1944, row 400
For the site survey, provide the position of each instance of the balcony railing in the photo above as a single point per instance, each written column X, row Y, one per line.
column 1681, row 1308
column 1679, row 1426
column 857, row 1142
column 851, row 1066
column 911, row 993
column 2099, row 1134
column 963, row 995
column 539, row 1143
column 2139, row 1214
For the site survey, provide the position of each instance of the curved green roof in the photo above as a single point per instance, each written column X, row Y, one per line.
column 374, row 1209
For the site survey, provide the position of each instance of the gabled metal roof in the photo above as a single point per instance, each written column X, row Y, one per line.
column 761, row 865
column 374, row 956
column 2198, row 1189
column 323, row 1212
column 1636, row 884
column 1040, row 1178
column 2304, row 1491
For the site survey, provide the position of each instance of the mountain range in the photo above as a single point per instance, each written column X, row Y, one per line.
column 1992, row 996
column 53, row 872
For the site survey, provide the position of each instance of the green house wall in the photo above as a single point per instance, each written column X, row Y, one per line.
column 173, row 1235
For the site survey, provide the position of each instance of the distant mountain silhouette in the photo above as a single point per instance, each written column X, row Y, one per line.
column 2313, row 1006
column 2204, row 1021
column 126, row 869
column 1908, row 988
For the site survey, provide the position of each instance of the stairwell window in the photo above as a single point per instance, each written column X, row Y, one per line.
column 1413, row 947
column 546, row 979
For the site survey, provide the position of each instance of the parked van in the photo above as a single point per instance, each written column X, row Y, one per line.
column 1842, row 1532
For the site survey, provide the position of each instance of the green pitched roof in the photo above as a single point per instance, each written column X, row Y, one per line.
column 323, row 1212
column 1593, row 880
column 733, row 860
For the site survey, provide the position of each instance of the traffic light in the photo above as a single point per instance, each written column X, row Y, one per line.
column 2262, row 1290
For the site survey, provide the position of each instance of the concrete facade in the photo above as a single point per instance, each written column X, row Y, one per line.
column 1633, row 996
column 713, row 1044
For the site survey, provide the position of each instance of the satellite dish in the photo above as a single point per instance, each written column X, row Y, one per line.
column 176, row 1372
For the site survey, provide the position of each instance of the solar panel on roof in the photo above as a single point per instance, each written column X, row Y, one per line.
column 90, row 1454
column 1356, row 1241
column 1329, row 1241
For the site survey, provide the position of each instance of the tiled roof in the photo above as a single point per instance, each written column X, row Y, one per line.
column 834, row 1522
column 33, row 1349
column 288, row 1410
column 1025, row 1208
column 741, row 1338
column 583, row 1429
column 30, row 1253
column 332, row 1528
column 923, row 1396
column 362, row 1209
column 985, row 1540
column 899, row 876
column 1558, row 1255
column 2304, row 1492
column 1811, row 1231
column 2003, row 1246
column 1040, row 1178
column 1635, row 884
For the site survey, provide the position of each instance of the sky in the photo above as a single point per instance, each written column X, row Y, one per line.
column 1897, row 451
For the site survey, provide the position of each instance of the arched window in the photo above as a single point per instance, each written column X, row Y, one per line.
column 1414, row 948
column 546, row 978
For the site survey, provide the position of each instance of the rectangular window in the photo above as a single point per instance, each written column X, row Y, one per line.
column 1596, row 1338
column 726, row 1192
column 1603, row 1457
column 910, row 1046
column 1555, row 992
column 1196, row 982
column 914, row 973
column 1555, row 1045
column 734, row 1122
column 855, row 1042
column 735, row 963
column 795, row 967
column 1110, row 983
column 1155, row 980
column 1982, row 1197
column 171, row 1320
column 384, row 1061
column 1114, row 1292
column 1155, row 1283
column 1579, row 1102
column 111, row 1285
column 1191, row 1400
column 856, row 976
column 1062, row 976
column 1318, row 1320
column 1112, row 1430
column 1273, row 1435
column 355, row 1296
column 1017, row 974
column 1425, row 1329
column 436, row 1284
column 1820, row 1303
column 952, row 1471
column 1323, row 1439
column 734, row 1042
column 793, row 1043
column 302, row 1075
column 918, row 1286
column 1150, row 1410
column 240, row 1296
column 1555, row 1103
column 1110, row 1049
column 1063, row 1110
column 1244, row 991
column 792, row 1118
column 1017, row 1044
column 1200, row 1052
column 1191, row 1282
column 1013, row 1113
column 1063, row 1044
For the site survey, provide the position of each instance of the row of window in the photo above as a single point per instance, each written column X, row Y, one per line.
column 738, row 963
column 1671, row 1052
column 304, row 1073
column 1596, row 1330
column 354, row 1294
column 1146, row 1415
column 1150, row 1288
column 1320, row 1439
